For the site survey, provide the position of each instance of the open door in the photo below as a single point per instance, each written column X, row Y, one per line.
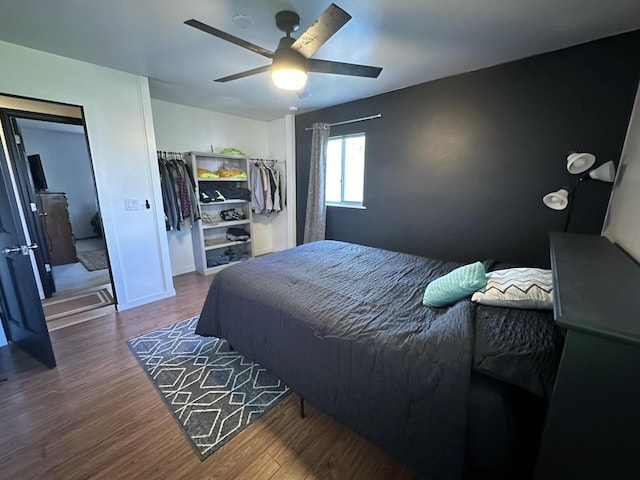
column 20, row 307
column 15, row 144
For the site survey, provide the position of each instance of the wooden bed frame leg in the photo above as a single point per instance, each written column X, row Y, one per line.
column 301, row 407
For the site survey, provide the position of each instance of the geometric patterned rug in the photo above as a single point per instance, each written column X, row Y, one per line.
column 212, row 392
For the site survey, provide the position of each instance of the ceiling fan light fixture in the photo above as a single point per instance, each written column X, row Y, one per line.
column 289, row 68
column 289, row 78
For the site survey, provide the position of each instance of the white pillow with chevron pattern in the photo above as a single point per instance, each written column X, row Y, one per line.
column 517, row 288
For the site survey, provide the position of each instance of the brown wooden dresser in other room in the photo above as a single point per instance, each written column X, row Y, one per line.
column 54, row 213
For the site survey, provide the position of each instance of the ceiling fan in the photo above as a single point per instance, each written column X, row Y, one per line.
column 291, row 61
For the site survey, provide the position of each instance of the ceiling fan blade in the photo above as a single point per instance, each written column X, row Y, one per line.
column 331, row 20
column 248, row 73
column 229, row 38
column 339, row 68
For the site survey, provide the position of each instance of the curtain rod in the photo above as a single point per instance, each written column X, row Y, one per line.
column 361, row 119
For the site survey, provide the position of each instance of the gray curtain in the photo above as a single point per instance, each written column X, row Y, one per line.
column 316, row 218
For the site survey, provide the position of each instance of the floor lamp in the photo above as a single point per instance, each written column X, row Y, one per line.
column 578, row 164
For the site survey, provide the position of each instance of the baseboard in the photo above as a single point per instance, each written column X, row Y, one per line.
column 257, row 253
column 143, row 301
column 182, row 270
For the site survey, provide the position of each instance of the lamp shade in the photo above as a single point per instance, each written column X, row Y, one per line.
column 580, row 162
column 557, row 200
column 289, row 78
column 605, row 172
column 289, row 67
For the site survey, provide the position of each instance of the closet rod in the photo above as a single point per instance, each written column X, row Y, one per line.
column 164, row 153
column 361, row 119
column 267, row 160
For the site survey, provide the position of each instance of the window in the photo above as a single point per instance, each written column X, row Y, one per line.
column 345, row 171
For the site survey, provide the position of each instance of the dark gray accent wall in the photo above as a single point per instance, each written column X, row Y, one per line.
column 457, row 168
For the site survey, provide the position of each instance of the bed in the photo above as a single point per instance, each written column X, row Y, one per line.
column 447, row 390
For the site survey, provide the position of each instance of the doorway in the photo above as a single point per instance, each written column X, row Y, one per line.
column 61, row 171
column 57, row 189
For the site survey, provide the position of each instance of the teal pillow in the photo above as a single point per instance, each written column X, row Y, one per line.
column 455, row 285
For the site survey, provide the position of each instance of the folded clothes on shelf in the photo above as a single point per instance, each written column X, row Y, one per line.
column 205, row 173
column 232, row 214
column 231, row 254
column 237, row 234
column 231, row 173
column 217, row 260
column 223, row 191
column 208, row 217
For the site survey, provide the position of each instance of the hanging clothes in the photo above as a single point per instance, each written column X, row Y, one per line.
column 274, row 179
column 257, row 193
column 185, row 202
column 178, row 191
column 170, row 201
column 265, row 187
column 191, row 190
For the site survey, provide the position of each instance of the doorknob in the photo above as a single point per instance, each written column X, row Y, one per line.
column 22, row 249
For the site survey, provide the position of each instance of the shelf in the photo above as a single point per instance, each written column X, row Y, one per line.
column 208, row 235
column 226, row 202
column 230, row 223
column 224, row 243
column 218, row 155
column 224, row 179
column 217, row 268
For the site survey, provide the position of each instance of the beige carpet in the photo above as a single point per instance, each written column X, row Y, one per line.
column 93, row 259
column 63, row 306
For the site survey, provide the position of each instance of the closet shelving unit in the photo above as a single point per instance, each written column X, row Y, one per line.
column 209, row 237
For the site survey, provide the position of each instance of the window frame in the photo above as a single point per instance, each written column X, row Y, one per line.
column 343, row 161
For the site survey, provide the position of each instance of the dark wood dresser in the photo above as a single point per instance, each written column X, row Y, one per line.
column 56, row 224
column 593, row 425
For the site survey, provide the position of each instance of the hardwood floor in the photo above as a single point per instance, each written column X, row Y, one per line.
column 98, row 416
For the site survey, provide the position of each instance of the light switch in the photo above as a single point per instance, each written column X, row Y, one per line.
column 132, row 204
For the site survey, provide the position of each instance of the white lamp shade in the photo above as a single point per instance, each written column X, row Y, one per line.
column 557, row 200
column 605, row 172
column 580, row 162
column 289, row 78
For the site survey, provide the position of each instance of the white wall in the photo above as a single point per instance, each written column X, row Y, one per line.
column 67, row 168
column 180, row 128
column 267, row 227
column 622, row 224
column 282, row 147
column 117, row 109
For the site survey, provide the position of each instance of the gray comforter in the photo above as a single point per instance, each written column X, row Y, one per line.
column 344, row 326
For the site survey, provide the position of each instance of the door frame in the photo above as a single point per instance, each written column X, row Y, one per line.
column 27, row 192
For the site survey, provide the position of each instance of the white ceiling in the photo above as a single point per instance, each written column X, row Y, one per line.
column 413, row 40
